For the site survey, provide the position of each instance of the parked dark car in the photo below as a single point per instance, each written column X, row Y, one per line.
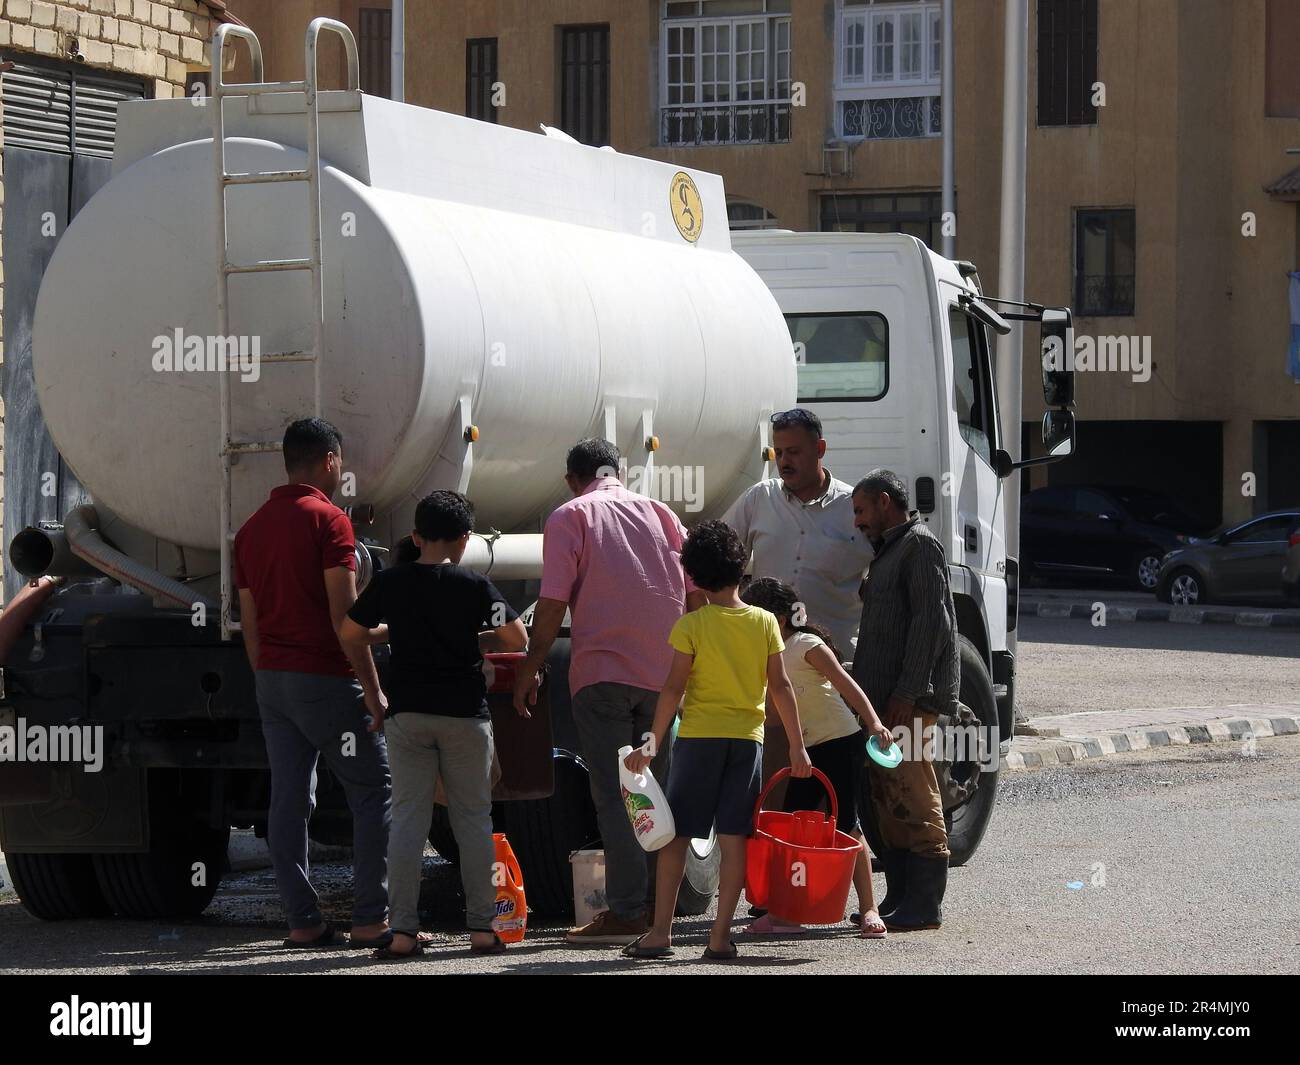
column 1102, row 533
column 1242, row 562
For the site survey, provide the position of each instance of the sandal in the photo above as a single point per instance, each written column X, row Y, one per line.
column 497, row 947
column 389, row 954
column 380, row 941
column 635, row 950
column 871, row 928
column 330, row 937
column 767, row 925
column 721, row 955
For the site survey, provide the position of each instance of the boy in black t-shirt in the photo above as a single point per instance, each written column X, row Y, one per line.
column 438, row 724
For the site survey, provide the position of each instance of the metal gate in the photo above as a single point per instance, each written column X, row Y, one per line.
column 59, row 127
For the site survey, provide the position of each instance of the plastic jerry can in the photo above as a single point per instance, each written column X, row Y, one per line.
column 511, row 918
column 647, row 806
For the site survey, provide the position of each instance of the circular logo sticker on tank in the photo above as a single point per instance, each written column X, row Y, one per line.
column 687, row 207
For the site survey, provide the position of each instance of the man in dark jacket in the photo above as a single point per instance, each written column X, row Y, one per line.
column 907, row 663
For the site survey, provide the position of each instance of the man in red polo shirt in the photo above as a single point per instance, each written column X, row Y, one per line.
column 296, row 573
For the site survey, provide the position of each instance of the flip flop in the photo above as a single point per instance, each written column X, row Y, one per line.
column 767, row 925
column 330, row 937
column 878, row 930
column 497, row 947
column 389, row 954
column 721, row 955
column 635, row 950
column 382, row 941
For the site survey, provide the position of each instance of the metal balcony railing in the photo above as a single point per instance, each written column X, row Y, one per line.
column 759, row 122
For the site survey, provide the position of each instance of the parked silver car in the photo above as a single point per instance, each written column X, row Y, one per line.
column 1243, row 562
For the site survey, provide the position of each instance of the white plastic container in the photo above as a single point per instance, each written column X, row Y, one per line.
column 588, row 885
column 647, row 806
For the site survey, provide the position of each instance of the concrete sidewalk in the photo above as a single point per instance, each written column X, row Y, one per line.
column 1123, row 605
column 1067, row 738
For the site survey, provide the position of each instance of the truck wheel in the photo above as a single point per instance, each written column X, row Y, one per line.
column 441, row 836
column 180, row 872
column 700, row 884
column 969, row 791
column 544, row 832
column 57, row 887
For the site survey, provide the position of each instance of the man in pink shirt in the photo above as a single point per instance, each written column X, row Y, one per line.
column 612, row 559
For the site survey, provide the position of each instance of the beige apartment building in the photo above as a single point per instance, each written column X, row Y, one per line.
column 1161, row 201
column 1158, row 204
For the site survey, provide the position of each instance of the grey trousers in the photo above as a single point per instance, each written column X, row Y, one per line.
column 422, row 748
column 608, row 716
column 304, row 716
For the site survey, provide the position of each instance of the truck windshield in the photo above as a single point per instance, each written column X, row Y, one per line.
column 841, row 356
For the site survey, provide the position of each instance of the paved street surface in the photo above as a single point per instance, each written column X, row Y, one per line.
column 1181, row 860
column 1171, row 860
column 1068, row 666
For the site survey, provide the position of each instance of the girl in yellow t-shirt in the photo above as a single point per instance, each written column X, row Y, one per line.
column 831, row 733
column 726, row 664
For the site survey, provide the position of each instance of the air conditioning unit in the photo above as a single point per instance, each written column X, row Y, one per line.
column 837, row 159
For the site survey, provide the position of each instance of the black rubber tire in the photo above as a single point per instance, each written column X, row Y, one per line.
column 969, row 821
column 700, row 884
column 1167, row 587
column 160, row 882
column 441, row 836
column 1135, row 569
column 966, row 823
column 544, row 832
column 57, row 887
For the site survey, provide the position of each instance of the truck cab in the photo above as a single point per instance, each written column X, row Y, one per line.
column 894, row 347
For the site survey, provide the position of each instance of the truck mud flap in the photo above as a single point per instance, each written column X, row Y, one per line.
column 91, row 813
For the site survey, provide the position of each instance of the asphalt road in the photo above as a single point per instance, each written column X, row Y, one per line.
column 1170, row 861
column 1067, row 665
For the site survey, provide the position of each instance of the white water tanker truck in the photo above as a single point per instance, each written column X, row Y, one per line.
column 464, row 300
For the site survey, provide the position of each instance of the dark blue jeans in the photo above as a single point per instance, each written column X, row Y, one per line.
column 304, row 716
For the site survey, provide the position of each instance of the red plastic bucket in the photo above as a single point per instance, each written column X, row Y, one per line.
column 798, row 866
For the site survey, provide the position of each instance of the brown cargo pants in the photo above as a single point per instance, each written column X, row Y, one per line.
column 908, row 806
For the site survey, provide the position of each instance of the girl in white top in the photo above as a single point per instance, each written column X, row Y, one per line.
column 831, row 733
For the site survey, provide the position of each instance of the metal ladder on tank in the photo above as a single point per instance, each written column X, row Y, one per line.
column 231, row 448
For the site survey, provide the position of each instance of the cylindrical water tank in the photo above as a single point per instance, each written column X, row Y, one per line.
column 539, row 323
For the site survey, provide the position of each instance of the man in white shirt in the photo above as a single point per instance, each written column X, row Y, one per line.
column 799, row 527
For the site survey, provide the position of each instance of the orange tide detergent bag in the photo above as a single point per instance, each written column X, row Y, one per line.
column 511, row 919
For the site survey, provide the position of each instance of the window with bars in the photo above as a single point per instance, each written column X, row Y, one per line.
column 888, row 68
column 375, row 50
column 480, row 76
column 1105, row 260
column 725, row 72
column 584, row 83
column 918, row 214
column 1067, row 62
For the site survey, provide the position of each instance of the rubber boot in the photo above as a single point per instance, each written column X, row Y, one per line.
column 895, row 863
column 922, row 905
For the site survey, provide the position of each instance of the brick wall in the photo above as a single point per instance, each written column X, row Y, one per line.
column 154, row 41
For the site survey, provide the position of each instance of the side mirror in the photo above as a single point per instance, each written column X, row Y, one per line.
column 1058, row 433
column 1057, row 352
